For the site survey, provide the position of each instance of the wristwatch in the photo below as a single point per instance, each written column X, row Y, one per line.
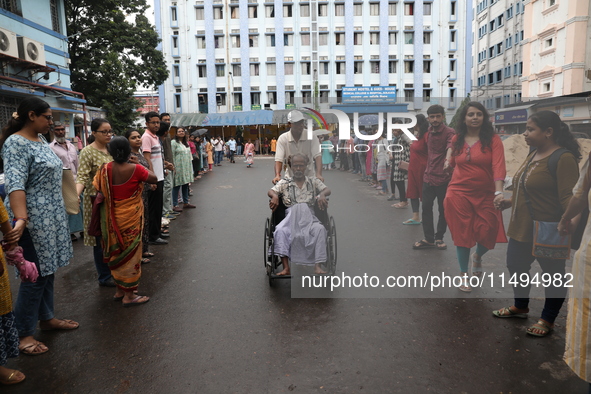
column 497, row 193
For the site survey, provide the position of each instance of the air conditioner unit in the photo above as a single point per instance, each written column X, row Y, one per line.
column 31, row 51
column 8, row 43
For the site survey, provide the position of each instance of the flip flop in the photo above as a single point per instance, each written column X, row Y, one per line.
column 146, row 260
column 440, row 245
column 148, row 254
column 411, row 221
column 10, row 379
column 63, row 325
column 542, row 326
column 29, row 350
column 399, row 205
column 136, row 301
column 422, row 244
column 507, row 312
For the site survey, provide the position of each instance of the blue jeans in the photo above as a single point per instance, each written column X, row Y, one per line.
column 239, row 150
column 184, row 191
column 102, row 269
column 219, row 157
column 519, row 261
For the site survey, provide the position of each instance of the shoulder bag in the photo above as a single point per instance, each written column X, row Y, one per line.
column 69, row 192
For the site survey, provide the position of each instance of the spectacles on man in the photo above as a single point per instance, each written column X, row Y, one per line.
column 155, row 122
column 105, row 132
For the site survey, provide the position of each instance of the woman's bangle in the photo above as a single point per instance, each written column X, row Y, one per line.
column 26, row 220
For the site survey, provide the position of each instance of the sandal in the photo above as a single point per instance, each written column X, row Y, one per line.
column 136, row 301
column 30, row 350
column 145, row 260
column 411, row 221
column 13, row 378
column 64, row 324
column 400, row 205
column 507, row 312
column 541, row 325
column 148, row 254
column 440, row 245
column 422, row 244
column 465, row 287
column 476, row 266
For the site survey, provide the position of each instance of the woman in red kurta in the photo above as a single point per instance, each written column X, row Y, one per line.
column 416, row 168
column 478, row 160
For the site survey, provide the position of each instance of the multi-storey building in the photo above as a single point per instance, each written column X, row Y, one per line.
column 236, row 55
column 498, row 65
column 35, row 60
column 557, row 48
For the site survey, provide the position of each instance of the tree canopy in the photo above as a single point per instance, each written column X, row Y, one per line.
column 112, row 46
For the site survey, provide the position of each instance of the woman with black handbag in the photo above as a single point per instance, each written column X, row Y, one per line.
column 542, row 190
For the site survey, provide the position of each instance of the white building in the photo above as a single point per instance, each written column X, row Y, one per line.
column 498, row 30
column 273, row 54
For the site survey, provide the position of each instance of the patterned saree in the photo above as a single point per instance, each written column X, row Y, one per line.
column 121, row 225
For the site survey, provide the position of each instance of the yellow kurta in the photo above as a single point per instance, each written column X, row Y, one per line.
column 5, row 297
column 578, row 327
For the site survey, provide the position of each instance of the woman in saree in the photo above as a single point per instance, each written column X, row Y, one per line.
column 122, row 219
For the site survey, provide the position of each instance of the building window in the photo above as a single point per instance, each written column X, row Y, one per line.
column 374, row 9
column 176, row 74
column 235, row 41
column 491, row 78
column 426, row 38
column 306, row 68
column 375, row 67
column 392, row 9
column 272, row 97
column 218, row 41
column 499, row 48
column 426, row 95
column 55, row 19
column 357, row 38
column 253, row 11
column 498, row 76
column 509, row 42
column 271, row 40
column 237, row 98
column 551, row 3
column 234, row 12
column 218, row 13
column 323, row 10
column 288, row 70
column 305, row 39
column 339, row 38
column 288, row 40
column 220, row 70
column 358, row 68
column 270, row 11
column 202, row 71
column 220, row 99
column 392, row 64
column 340, row 67
column 549, row 43
column 287, row 11
column 427, row 9
column 254, row 70
column 199, row 14
column 427, row 67
column 339, row 10
column 253, row 41
column 509, row 12
column 177, row 102
column 357, row 9
column 452, row 36
column 255, row 98
column 323, row 39
column 323, row 68
column 200, row 42
column 392, row 38
column 324, row 97
column 546, row 87
column 307, row 97
column 409, row 8
column 271, row 69
column 409, row 66
column 409, row 37
column 289, row 97
column 453, row 8
column 173, row 13
column 237, row 70
column 452, row 66
column 491, row 52
column 305, row 10
column 409, row 95
column 374, row 38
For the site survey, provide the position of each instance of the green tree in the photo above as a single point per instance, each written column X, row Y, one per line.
column 456, row 119
column 112, row 46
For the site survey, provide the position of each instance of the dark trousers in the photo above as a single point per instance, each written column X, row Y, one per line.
column 430, row 193
column 102, row 269
column 231, row 156
column 519, row 261
column 400, row 185
column 155, row 201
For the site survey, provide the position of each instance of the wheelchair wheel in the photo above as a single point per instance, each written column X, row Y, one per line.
column 332, row 246
column 267, row 241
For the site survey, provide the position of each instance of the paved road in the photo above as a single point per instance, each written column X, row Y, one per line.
column 215, row 326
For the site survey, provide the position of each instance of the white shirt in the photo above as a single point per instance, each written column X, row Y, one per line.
column 287, row 146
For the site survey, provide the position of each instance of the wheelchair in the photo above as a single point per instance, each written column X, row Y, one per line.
column 273, row 262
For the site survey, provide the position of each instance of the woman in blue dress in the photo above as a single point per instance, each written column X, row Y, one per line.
column 327, row 151
column 33, row 182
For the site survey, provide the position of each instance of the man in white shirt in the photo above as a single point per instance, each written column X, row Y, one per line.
column 295, row 141
column 218, row 145
column 232, row 147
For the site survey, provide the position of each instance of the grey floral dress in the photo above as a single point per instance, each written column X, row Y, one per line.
column 33, row 167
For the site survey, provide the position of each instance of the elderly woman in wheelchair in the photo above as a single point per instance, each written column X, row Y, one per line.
column 300, row 237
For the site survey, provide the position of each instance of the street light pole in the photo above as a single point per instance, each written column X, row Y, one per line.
column 441, row 86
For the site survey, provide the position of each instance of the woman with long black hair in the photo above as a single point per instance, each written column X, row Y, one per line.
column 546, row 179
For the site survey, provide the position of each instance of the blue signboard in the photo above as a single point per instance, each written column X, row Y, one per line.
column 506, row 117
column 369, row 94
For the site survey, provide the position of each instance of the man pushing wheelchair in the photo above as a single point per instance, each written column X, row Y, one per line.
column 300, row 237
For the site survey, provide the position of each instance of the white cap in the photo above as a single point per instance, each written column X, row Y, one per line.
column 295, row 116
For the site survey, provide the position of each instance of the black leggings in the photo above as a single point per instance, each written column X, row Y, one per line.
column 401, row 190
column 415, row 203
